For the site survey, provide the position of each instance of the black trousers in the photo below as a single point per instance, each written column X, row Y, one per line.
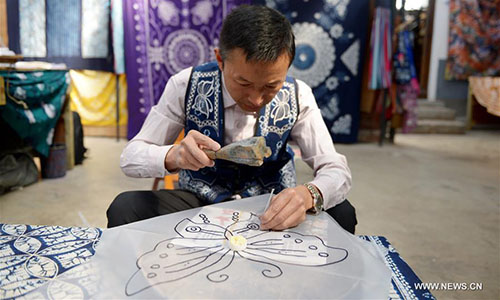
column 134, row 206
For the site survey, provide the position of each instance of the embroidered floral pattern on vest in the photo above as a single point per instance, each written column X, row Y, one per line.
column 204, row 113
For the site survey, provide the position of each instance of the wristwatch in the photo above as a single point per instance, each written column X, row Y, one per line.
column 317, row 199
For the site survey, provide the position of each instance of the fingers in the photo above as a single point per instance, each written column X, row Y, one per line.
column 204, row 140
column 286, row 210
column 188, row 154
column 193, row 143
column 193, row 155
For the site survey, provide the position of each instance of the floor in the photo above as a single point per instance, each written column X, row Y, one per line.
column 435, row 197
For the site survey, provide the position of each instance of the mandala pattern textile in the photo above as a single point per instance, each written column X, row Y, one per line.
column 205, row 113
column 34, row 102
column 474, row 39
column 93, row 96
column 329, row 36
column 34, row 256
column 161, row 39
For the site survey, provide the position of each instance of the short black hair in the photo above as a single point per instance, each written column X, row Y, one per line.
column 262, row 32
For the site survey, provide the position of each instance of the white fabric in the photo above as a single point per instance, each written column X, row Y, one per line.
column 185, row 255
column 144, row 155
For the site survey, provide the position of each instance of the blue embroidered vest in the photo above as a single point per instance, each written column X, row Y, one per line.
column 204, row 109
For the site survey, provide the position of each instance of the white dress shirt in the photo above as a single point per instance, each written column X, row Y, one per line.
column 144, row 155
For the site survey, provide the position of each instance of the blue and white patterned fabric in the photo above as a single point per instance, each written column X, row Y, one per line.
column 74, row 32
column 205, row 113
column 39, row 262
column 32, row 256
column 329, row 38
column 403, row 278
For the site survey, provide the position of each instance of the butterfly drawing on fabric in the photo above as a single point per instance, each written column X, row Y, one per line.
column 203, row 247
column 282, row 109
column 202, row 104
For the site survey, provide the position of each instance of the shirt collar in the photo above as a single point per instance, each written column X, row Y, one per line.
column 226, row 97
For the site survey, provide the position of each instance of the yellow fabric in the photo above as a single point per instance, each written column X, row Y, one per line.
column 93, row 96
column 4, row 36
column 487, row 92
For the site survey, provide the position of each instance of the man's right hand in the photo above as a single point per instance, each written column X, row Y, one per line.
column 188, row 154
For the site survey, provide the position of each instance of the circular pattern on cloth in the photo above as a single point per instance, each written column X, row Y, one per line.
column 185, row 48
column 314, row 54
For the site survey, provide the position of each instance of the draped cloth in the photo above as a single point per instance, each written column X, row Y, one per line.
column 161, row 39
column 474, row 39
column 34, row 103
column 487, row 92
column 330, row 37
column 93, row 95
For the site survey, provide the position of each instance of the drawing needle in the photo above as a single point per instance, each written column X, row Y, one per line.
column 268, row 201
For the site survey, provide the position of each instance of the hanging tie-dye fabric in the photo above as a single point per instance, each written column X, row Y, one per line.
column 329, row 38
column 74, row 32
column 380, row 50
column 32, row 27
column 63, row 17
column 161, row 39
column 474, row 39
column 93, row 96
column 405, row 75
column 95, row 24
column 118, row 38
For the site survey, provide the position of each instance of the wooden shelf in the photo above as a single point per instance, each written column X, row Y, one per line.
column 10, row 58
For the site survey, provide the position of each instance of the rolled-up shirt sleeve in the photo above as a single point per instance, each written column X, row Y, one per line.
column 144, row 155
column 332, row 175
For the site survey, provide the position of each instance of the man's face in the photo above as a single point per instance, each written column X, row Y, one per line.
column 252, row 84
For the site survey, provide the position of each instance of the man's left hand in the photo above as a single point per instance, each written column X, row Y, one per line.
column 287, row 209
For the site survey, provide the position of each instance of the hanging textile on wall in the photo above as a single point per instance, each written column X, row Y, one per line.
column 93, row 96
column 118, row 38
column 161, row 39
column 32, row 27
column 74, row 32
column 329, row 38
column 34, row 102
column 63, row 17
column 405, row 75
column 4, row 35
column 95, row 24
column 474, row 39
column 380, row 50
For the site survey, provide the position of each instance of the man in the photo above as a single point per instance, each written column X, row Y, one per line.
column 244, row 93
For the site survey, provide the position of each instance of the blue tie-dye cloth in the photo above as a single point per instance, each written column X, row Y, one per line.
column 330, row 37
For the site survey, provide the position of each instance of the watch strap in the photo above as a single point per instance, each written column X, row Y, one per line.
column 317, row 199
